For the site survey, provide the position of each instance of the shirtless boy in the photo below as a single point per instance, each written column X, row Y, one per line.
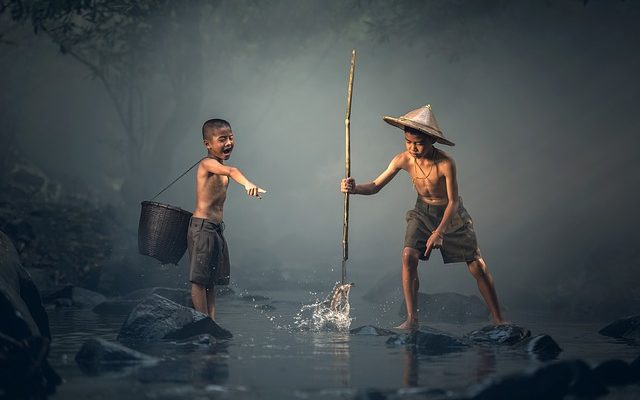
column 439, row 220
column 208, row 252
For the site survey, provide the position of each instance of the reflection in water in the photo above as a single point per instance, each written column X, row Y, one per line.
column 411, row 367
column 336, row 345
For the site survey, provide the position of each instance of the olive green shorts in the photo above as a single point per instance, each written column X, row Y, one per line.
column 208, row 253
column 459, row 243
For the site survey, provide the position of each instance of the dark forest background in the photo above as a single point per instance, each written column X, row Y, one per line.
column 101, row 104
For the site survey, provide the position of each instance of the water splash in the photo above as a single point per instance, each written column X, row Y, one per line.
column 329, row 315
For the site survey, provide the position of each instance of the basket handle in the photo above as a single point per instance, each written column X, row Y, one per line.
column 176, row 180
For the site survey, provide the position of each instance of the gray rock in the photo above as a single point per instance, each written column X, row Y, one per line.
column 157, row 318
column 24, row 331
column 627, row 328
column 99, row 354
column 449, row 307
column 429, row 342
column 541, row 347
column 370, row 330
column 74, row 296
column 614, row 373
column 499, row 334
column 549, row 382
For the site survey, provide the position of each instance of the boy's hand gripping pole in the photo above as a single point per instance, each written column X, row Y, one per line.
column 347, row 125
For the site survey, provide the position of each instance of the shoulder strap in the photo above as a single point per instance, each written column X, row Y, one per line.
column 176, row 180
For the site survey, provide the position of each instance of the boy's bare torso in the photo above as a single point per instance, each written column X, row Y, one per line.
column 427, row 175
column 211, row 192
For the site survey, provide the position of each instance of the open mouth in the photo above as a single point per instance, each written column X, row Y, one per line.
column 227, row 151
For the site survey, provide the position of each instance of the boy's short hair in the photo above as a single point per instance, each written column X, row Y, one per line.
column 211, row 125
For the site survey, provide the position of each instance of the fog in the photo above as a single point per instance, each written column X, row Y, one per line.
column 539, row 97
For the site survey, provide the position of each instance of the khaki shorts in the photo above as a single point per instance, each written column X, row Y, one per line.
column 208, row 253
column 459, row 243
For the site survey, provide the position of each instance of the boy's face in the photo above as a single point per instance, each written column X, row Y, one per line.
column 220, row 144
column 418, row 145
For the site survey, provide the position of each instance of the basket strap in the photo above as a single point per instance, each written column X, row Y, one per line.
column 176, row 180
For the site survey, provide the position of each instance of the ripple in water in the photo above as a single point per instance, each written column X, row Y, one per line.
column 329, row 315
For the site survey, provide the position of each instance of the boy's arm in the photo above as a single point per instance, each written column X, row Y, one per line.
column 349, row 185
column 215, row 167
column 449, row 172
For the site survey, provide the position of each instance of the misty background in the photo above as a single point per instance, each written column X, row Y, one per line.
column 540, row 98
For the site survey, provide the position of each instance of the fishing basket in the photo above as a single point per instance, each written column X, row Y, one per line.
column 162, row 231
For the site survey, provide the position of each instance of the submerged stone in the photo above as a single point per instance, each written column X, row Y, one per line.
column 541, row 347
column 549, row 382
column 370, row 330
column 73, row 296
column 98, row 354
column 627, row 328
column 614, row 373
column 449, row 307
column 499, row 334
column 430, row 342
column 253, row 298
column 157, row 318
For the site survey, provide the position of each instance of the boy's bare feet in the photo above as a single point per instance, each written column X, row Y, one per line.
column 408, row 324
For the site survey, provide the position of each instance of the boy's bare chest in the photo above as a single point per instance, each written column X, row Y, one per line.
column 428, row 179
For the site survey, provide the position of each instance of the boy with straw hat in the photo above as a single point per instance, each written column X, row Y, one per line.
column 439, row 220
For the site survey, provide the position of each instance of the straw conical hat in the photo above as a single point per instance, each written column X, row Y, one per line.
column 421, row 119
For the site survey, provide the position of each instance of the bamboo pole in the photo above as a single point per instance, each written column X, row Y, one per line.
column 347, row 125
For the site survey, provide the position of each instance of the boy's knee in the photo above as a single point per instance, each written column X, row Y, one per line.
column 410, row 256
column 478, row 268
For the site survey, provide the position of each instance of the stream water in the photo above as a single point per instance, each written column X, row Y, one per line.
column 273, row 355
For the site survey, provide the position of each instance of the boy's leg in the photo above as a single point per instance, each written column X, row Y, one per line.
column 199, row 297
column 211, row 302
column 410, row 284
column 479, row 270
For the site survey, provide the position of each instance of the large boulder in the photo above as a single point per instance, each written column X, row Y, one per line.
column 452, row 308
column 627, row 328
column 429, row 341
column 124, row 304
column 24, row 330
column 157, row 318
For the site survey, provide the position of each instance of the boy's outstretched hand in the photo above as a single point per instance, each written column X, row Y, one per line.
column 348, row 185
column 254, row 191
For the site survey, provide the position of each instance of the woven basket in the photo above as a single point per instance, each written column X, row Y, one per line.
column 162, row 232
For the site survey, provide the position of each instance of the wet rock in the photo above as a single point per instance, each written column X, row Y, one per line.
column 99, row 354
column 204, row 325
column 73, row 296
column 499, row 334
column 614, row 373
column 449, row 307
column 157, row 318
column 429, row 341
column 627, row 328
column 541, row 347
column 24, row 330
column 370, row 330
column 551, row 381
column 635, row 369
